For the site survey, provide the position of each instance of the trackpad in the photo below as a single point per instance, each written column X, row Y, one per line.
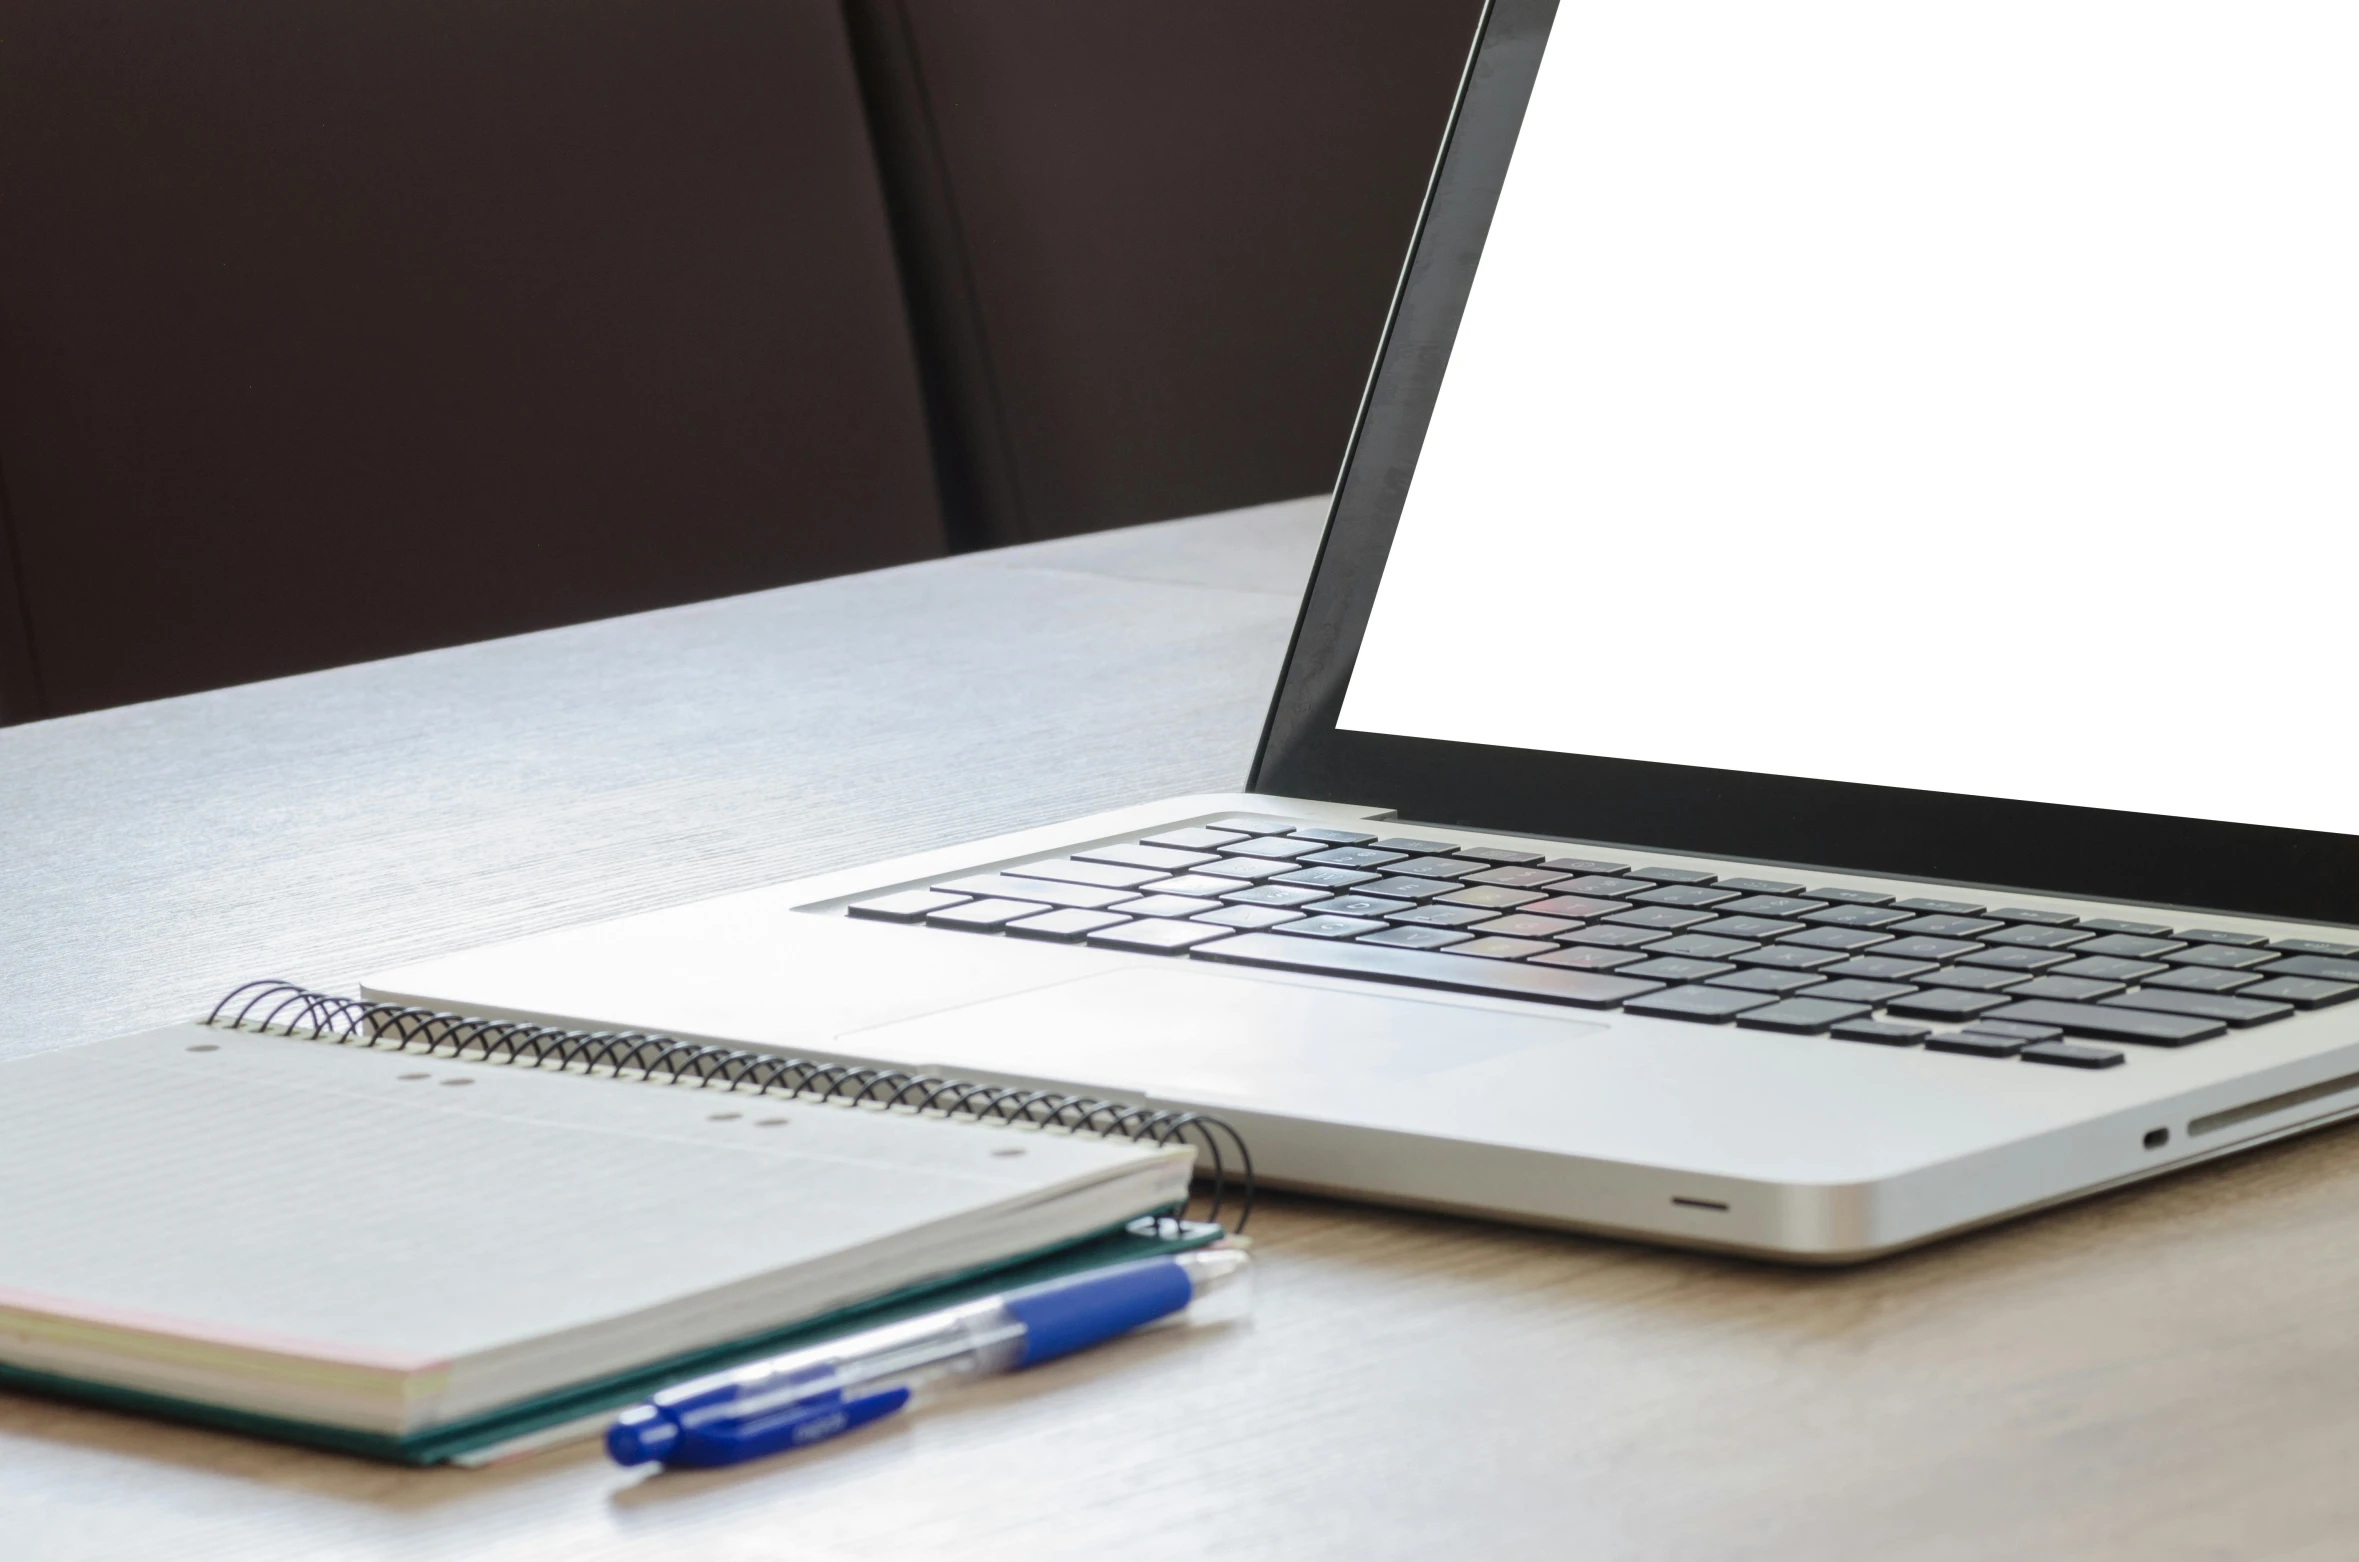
column 1193, row 1035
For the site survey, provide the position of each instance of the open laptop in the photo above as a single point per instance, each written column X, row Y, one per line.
column 1820, row 718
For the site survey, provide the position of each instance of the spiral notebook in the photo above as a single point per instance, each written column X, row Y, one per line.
column 419, row 1237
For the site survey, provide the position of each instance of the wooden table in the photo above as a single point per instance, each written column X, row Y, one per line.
column 2167, row 1372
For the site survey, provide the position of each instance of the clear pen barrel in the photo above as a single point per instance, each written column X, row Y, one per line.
column 976, row 1340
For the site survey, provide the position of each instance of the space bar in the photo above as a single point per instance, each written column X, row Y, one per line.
column 1419, row 968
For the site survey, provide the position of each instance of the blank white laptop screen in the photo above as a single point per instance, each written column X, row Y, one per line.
column 1950, row 394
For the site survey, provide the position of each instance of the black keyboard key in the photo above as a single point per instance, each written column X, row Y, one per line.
column 1856, row 916
column 2214, row 935
column 2128, row 929
column 2315, row 946
column 1602, row 886
column 1334, row 837
column 2220, row 957
column 2067, row 989
column 1770, row 906
column 909, row 905
column 1106, row 875
column 1923, row 948
column 2304, row 992
column 2071, row 1054
column 1274, row 895
column 1698, row 946
column 1973, row 978
column 1671, row 969
column 1196, row 838
column 2238, row 1012
column 1247, row 868
column 1156, row 937
column 1946, row 908
column 1850, row 989
column 1248, row 918
column 1353, row 857
column 1442, row 916
column 1585, row 959
column 2319, row 966
column 1275, row 847
column 1522, row 924
column 1852, row 897
column 2108, row 968
column 1488, row 948
column 2027, row 960
column 1163, row 859
column 983, row 916
column 1708, row 1004
column 1785, row 957
column 1604, row 936
column 2201, row 979
column 1880, row 968
column 1753, row 979
column 1406, row 843
column 1849, row 940
column 1761, row 886
column 1164, row 906
column 2036, row 936
column 1428, row 968
column 1672, row 875
column 1048, row 892
column 2031, row 917
column 1396, row 886
column 1327, row 878
column 1581, row 907
column 1584, row 865
column 1433, row 868
column 1747, row 927
column 1062, row 927
column 1801, row 1016
column 1200, row 884
column 1976, row 1044
column 2017, row 1029
column 1684, row 895
column 1669, row 918
column 1357, row 906
column 1416, row 938
column 1498, row 897
column 1884, row 1033
column 1945, row 926
column 2127, row 946
column 1332, row 927
column 1945, row 1003
column 2112, row 1024
column 1503, row 855
column 1515, row 878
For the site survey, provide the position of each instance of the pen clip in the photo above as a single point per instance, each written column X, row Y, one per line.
column 710, row 1438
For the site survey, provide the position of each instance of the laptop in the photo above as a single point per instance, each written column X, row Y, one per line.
column 1819, row 718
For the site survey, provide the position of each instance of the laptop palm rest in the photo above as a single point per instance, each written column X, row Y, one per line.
column 1193, row 1035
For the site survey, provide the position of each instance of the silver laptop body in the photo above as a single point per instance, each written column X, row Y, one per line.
column 1818, row 723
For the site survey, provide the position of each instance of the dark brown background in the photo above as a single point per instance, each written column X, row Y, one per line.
column 328, row 333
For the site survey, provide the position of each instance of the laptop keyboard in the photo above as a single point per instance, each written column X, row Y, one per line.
column 1999, row 982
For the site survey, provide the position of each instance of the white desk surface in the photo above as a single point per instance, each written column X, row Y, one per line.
column 2170, row 1372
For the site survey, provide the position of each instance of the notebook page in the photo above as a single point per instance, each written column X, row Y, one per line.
column 390, row 1210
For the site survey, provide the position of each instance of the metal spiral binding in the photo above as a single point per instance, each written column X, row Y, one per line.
column 290, row 1009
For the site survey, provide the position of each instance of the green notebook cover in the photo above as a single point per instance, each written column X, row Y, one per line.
column 1146, row 1238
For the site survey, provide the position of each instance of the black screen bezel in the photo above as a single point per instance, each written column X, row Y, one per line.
column 2159, row 860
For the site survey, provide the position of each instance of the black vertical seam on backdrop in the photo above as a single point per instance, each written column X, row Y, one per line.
column 22, row 697
column 975, row 464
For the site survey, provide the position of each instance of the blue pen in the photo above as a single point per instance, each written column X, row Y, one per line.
column 822, row 1391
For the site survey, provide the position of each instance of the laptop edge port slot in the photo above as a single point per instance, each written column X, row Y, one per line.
column 1699, row 1203
column 2213, row 1122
